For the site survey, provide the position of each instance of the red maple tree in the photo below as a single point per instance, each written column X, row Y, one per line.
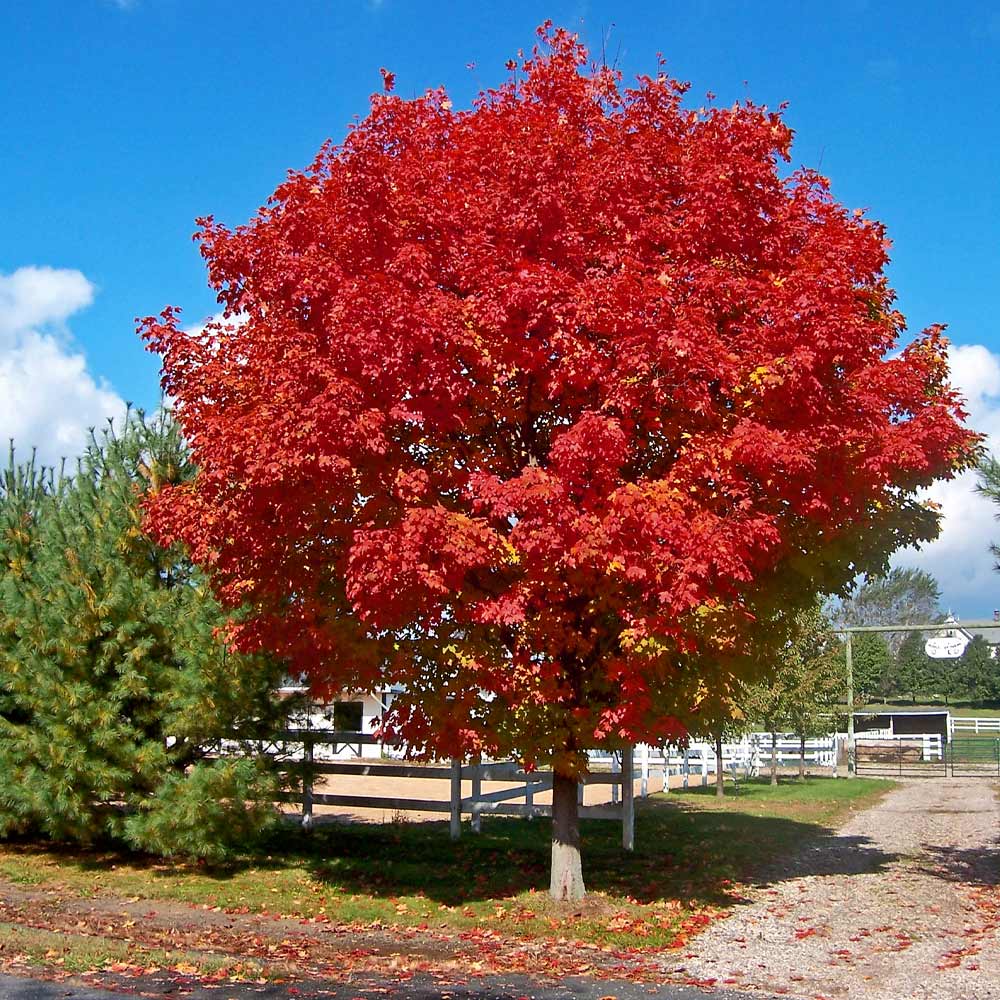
column 554, row 411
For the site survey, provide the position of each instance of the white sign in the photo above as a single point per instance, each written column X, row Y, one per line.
column 945, row 647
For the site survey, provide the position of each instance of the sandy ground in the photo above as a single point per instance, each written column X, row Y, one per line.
column 903, row 901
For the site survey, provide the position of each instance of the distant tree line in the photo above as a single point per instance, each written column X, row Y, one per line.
column 894, row 665
column 910, row 673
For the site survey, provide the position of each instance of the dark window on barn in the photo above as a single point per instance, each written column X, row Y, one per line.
column 347, row 716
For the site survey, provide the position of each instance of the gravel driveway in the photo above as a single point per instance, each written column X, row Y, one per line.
column 902, row 901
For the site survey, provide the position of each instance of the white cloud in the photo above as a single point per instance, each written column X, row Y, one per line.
column 40, row 298
column 48, row 398
column 960, row 558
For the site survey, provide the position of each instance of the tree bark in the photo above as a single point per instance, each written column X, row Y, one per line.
column 566, row 883
column 720, row 777
column 802, row 757
column 774, row 757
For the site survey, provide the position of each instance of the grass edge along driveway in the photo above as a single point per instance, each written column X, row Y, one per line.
column 693, row 854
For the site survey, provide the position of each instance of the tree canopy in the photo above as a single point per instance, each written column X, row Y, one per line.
column 553, row 410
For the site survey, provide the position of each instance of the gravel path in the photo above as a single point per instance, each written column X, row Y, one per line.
column 902, row 901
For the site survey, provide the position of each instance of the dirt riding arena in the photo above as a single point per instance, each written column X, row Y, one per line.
column 435, row 789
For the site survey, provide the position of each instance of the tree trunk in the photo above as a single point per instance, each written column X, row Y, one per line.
column 566, row 883
column 720, row 776
column 802, row 757
column 774, row 757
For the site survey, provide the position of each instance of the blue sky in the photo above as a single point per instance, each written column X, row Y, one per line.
column 123, row 121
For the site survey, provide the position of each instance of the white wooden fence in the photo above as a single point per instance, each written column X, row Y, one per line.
column 320, row 752
column 299, row 747
column 974, row 725
column 749, row 755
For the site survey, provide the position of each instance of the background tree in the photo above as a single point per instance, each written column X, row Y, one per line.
column 767, row 705
column 914, row 671
column 976, row 673
column 722, row 718
column 553, row 411
column 989, row 486
column 25, row 492
column 816, row 678
column 804, row 690
column 872, row 664
column 114, row 683
column 901, row 596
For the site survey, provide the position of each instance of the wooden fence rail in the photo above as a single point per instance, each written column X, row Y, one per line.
column 971, row 724
column 312, row 753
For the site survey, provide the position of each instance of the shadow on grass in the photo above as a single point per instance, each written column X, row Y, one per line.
column 686, row 848
column 681, row 852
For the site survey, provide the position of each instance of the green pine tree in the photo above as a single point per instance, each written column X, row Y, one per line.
column 114, row 682
column 871, row 664
column 913, row 674
column 977, row 674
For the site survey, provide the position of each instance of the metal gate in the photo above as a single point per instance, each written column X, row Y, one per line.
column 974, row 757
column 901, row 757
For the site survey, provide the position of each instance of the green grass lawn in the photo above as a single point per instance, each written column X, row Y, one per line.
column 692, row 851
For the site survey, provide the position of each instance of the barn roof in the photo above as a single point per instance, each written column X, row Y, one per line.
column 892, row 711
column 987, row 628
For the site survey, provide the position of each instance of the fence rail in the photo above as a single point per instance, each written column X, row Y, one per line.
column 308, row 754
column 971, row 724
column 975, row 757
column 749, row 755
column 297, row 748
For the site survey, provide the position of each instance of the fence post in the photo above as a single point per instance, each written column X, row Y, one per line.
column 704, row 765
column 849, row 662
column 628, row 798
column 477, row 790
column 686, row 766
column 615, row 769
column 307, row 783
column 456, row 799
column 644, row 788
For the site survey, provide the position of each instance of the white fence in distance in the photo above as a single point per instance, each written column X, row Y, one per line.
column 971, row 724
column 749, row 755
column 299, row 746
column 321, row 753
